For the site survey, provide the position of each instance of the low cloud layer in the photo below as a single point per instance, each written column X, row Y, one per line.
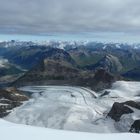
column 69, row 16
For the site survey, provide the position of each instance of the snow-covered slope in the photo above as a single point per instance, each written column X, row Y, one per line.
column 10, row 131
column 125, row 90
column 75, row 108
column 3, row 63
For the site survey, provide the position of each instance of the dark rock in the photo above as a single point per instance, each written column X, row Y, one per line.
column 118, row 109
column 73, row 96
column 3, row 114
column 104, row 76
column 12, row 95
column 109, row 62
column 9, row 99
column 103, row 80
column 133, row 104
column 105, row 93
column 135, row 127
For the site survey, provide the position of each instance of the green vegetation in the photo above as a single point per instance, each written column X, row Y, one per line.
column 10, row 71
column 86, row 60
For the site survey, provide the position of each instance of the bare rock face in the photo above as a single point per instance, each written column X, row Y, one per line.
column 118, row 109
column 9, row 99
column 104, row 76
column 109, row 62
column 135, row 127
column 102, row 80
column 50, row 72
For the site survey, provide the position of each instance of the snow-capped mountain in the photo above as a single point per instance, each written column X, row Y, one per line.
column 117, row 58
column 69, row 44
column 14, row 43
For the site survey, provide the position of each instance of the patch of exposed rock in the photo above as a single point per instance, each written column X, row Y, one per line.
column 118, row 109
column 103, row 79
column 9, row 99
column 135, row 127
column 109, row 63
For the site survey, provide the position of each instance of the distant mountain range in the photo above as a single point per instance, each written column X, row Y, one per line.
column 58, row 68
column 70, row 59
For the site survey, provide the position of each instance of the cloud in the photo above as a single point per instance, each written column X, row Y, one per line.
column 69, row 16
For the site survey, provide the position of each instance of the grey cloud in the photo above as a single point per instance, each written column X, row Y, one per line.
column 67, row 16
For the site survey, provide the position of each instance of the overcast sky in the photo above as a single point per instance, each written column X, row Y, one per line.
column 41, row 17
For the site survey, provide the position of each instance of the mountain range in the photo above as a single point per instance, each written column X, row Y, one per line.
column 65, row 60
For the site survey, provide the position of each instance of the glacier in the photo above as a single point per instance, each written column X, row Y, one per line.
column 76, row 108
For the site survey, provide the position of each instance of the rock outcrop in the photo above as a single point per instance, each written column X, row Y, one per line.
column 118, row 109
column 110, row 63
column 9, row 99
column 135, row 127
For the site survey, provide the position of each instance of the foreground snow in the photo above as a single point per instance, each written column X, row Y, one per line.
column 10, row 131
column 76, row 108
